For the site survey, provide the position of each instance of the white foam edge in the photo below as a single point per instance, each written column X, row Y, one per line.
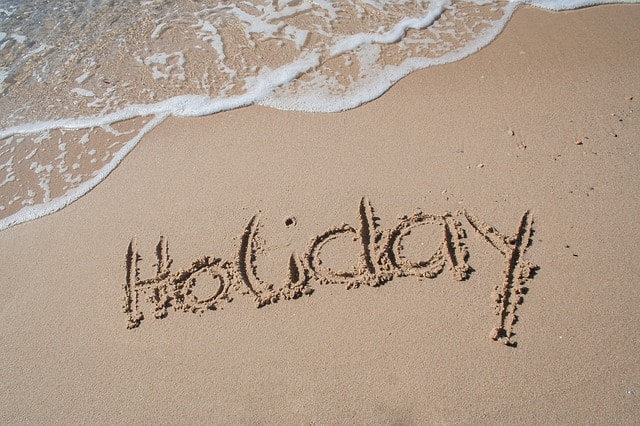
column 180, row 106
column 386, row 79
column 352, row 42
column 183, row 106
column 560, row 5
column 29, row 213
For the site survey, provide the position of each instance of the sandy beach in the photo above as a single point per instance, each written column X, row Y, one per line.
column 461, row 250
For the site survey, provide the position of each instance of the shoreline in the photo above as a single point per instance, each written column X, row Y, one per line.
column 89, row 174
column 545, row 119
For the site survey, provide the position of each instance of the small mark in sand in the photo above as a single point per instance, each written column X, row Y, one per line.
column 290, row 222
column 510, row 132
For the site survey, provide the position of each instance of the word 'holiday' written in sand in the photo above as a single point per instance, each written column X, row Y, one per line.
column 381, row 259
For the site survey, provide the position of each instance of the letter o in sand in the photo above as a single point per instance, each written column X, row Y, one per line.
column 204, row 287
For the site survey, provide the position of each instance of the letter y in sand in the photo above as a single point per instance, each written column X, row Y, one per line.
column 517, row 270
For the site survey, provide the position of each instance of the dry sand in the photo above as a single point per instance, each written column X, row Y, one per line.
column 544, row 120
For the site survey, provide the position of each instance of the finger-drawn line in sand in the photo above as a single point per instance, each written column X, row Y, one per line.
column 381, row 259
column 517, row 271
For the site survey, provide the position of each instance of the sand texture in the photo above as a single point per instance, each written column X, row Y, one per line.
column 463, row 249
